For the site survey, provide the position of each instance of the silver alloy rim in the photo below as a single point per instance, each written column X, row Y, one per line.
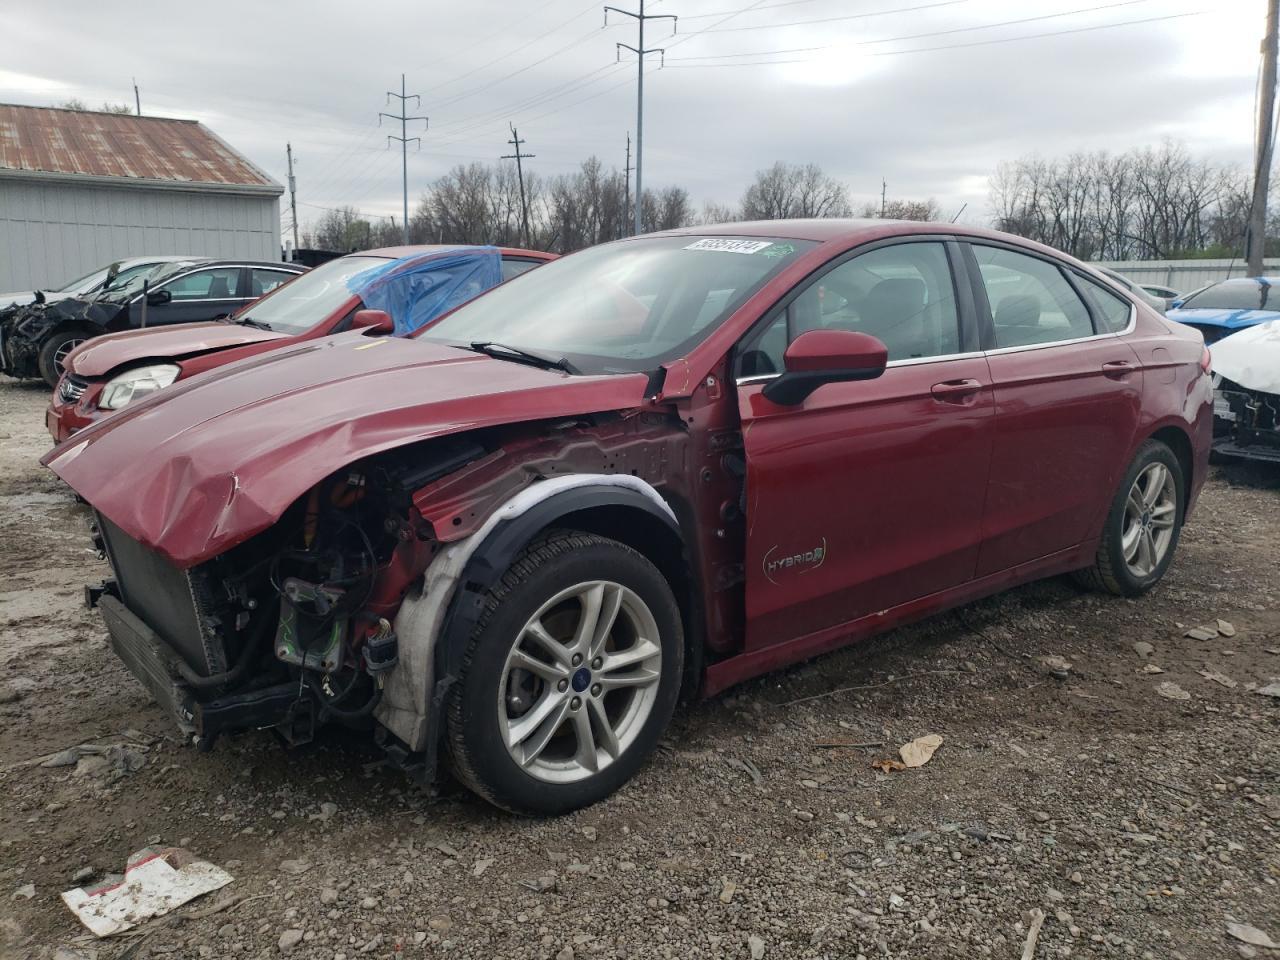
column 60, row 354
column 579, row 682
column 1149, row 514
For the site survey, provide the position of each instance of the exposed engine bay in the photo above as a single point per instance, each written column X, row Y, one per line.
column 291, row 629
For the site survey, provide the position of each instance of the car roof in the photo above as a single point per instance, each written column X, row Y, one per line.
column 845, row 230
column 1270, row 281
column 395, row 253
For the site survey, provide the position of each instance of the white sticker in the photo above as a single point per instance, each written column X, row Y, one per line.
column 725, row 245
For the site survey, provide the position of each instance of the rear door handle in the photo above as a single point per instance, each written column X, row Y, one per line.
column 1118, row 368
column 955, row 391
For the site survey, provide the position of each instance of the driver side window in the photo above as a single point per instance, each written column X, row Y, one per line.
column 901, row 294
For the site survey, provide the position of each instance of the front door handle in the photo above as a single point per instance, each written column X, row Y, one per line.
column 955, row 391
column 1115, row 369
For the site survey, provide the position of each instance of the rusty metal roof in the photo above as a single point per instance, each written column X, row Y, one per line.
column 86, row 143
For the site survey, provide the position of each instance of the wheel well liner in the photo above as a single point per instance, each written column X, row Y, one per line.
column 599, row 509
column 1176, row 439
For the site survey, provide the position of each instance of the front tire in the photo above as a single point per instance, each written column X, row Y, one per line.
column 569, row 678
column 1142, row 526
column 55, row 350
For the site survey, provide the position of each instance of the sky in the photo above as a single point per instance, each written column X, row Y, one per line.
column 927, row 96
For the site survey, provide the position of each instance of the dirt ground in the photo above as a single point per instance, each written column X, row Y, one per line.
column 1139, row 824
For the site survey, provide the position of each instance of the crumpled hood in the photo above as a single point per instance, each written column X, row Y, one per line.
column 101, row 355
column 1231, row 319
column 1251, row 357
column 195, row 469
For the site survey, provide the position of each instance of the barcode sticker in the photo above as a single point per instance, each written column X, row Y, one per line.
column 726, row 245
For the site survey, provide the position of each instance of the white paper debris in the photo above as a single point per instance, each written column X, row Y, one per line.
column 918, row 752
column 156, row 881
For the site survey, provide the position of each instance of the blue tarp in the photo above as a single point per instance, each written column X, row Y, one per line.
column 418, row 288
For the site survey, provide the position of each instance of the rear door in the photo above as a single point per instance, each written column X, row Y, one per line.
column 869, row 494
column 1068, row 393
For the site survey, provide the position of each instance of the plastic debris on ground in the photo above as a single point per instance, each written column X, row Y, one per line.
column 919, row 751
column 156, row 880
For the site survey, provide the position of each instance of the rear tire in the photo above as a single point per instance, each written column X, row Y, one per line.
column 569, row 678
column 55, row 350
column 1143, row 525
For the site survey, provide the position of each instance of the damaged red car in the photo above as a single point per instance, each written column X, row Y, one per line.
column 108, row 373
column 508, row 544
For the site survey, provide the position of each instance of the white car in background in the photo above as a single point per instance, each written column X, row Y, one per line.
column 91, row 283
column 1157, row 303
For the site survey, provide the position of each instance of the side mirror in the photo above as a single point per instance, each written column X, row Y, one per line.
column 157, row 297
column 375, row 321
column 826, row 356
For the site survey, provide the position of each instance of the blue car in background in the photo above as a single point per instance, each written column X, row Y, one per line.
column 1222, row 308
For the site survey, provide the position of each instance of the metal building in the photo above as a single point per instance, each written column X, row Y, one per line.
column 79, row 189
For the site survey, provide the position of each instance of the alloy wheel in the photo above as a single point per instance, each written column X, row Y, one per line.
column 579, row 681
column 64, row 351
column 1150, row 511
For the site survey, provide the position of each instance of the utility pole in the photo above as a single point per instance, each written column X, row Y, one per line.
column 884, row 189
column 293, row 194
column 517, row 157
column 404, row 139
column 626, row 184
column 1257, row 234
column 137, row 100
column 640, row 52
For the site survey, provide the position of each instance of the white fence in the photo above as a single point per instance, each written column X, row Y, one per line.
column 1185, row 275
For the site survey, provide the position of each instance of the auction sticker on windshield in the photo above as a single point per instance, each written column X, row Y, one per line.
column 730, row 246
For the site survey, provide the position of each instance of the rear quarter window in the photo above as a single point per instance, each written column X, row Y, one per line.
column 1111, row 310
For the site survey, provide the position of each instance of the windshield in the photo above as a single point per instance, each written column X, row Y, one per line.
column 302, row 303
column 96, row 277
column 129, row 282
column 625, row 306
column 1234, row 295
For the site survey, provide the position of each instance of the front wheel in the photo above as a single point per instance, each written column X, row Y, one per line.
column 570, row 677
column 1142, row 526
column 54, row 352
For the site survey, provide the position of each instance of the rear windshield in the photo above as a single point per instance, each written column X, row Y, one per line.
column 1235, row 295
column 626, row 306
column 300, row 304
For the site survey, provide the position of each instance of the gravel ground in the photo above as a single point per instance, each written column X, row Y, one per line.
column 1138, row 823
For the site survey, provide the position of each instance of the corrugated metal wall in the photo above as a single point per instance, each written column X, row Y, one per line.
column 52, row 233
column 1185, row 275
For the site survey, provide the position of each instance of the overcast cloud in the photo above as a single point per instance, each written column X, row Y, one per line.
column 932, row 123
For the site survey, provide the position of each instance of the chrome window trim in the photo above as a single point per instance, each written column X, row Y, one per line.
column 222, row 266
column 905, row 362
column 1132, row 325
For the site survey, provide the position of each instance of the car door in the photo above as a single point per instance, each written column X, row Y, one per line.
column 203, row 294
column 868, row 494
column 1067, row 394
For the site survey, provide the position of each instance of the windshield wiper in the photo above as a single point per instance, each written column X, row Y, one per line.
column 256, row 324
column 501, row 351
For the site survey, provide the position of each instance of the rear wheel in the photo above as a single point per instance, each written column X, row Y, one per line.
column 570, row 677
column 55, row 350
column 1142, row 526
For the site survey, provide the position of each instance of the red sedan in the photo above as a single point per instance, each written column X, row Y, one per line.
column 110, row 372
column 668, row 463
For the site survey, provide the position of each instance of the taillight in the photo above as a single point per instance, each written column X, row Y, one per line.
column 1206, row 360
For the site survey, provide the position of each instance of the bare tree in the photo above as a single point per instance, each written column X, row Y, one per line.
column 903, row 210
column 1156, row 202
column 786, row 191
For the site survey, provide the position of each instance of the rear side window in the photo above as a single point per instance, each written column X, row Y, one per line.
column 1111, row 309
column 264, row 281
column 513, row 268
column 217, row 284
column 1031, row 300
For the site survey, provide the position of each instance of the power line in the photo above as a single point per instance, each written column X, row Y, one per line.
column 404, row 139
column 506, row 29
column 919, row 36
column 770, row 6
column 843, row 17
column 951, row 46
